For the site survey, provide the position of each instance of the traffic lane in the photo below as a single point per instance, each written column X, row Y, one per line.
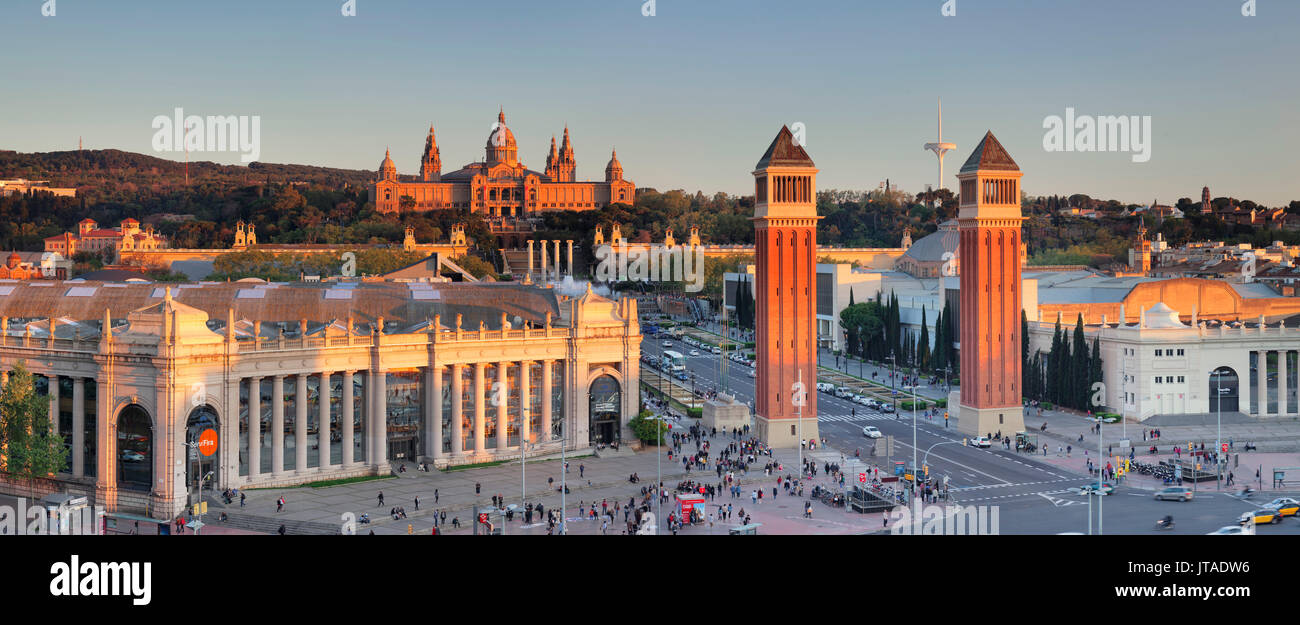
column 1128, row 511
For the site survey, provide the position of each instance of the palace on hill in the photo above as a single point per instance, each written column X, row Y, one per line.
column 500, row 185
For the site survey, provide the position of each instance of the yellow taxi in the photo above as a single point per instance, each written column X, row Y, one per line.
column 1285, row 506
column 1264, row 515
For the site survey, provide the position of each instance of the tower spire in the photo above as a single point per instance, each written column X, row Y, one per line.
column 939, row 147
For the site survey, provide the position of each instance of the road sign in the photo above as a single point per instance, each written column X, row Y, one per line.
column 862, row 477
column 1178, row 471
column 208, row 442
column 1225, row 448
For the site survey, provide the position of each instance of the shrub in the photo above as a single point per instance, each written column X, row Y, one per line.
column 750, row 345
column 907, row 405
column 1045, row 405
column 695, row 413
column 941, row 403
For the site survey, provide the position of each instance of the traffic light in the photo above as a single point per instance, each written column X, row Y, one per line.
column 926, row 468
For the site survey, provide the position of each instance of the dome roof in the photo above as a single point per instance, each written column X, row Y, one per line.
column 388, row 162
column 931, row 247
column 613, row 162
column 501, row 135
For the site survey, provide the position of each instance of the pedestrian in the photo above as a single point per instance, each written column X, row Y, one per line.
column 381, row 499
column 581, row 469
column 478, row 488
column 241, row 500
column 435, row 496
column 884, row 519
column 417, row 502
column 279, row 504
column 281, row 530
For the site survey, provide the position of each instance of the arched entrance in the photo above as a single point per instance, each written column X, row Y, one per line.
column 134, row 449
column 196, row 464
column 1224, row 390
column 605, row 399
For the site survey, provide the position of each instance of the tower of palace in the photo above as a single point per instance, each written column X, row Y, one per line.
column 989, row 221
column 785, row 254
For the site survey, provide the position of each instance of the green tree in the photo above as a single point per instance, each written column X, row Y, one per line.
column 923, row 344
column 33, row 451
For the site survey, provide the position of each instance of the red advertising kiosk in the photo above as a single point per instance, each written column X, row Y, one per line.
column 688, row 502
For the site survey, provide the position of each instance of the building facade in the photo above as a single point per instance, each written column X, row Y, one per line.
column 500, row 185
column 313, row 381
column 110, row 243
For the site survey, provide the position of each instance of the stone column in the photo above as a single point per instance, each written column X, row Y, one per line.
column 479, row 409
column 381, row 418
column 106, row 452
column 1261, row 390
column 347, row 414
column 525, row 433
column 530, row 257
column 546, row 270
column 570, row 243
column 300, row 424
column 54, row 401
column 457, row 413
column 557, row 260
column 78, row 427
column 323, row 431
column 547, row 366
column 433, row 441
column 501, row 395
column 1282, row 382
column 254, row 427
column 277, row 426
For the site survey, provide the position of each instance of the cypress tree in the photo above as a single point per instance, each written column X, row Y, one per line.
column 1025, row 374
column 923, row 346
column 1080, row 372
column 1095, row 364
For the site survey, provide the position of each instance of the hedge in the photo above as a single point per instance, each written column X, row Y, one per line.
column 907, row 405
column 941, row 403
column 1045, row 405
column 695, row 413
column 749, row 345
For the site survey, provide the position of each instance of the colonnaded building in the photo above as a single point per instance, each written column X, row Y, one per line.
column 343, row 379
column 500, row 185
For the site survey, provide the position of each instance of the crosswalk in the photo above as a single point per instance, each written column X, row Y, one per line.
column 866, row 416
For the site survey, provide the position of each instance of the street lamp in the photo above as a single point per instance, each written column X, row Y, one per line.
column 1218, row 440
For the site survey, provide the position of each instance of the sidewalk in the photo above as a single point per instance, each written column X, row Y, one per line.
column 590, row 480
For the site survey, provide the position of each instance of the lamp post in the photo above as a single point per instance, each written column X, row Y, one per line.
column 1218, row 440
column 915, row 467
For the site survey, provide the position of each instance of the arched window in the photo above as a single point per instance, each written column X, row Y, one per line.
column 134, row 449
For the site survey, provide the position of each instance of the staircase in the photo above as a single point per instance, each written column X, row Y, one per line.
column 517, row 261
column 270, row 525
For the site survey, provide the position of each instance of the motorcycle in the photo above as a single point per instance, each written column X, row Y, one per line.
column 1165, row 524
column 1247, row 492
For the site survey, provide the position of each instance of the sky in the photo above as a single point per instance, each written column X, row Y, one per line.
column 690, row 96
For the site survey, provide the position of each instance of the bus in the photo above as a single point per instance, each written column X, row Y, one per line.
column 673, row 361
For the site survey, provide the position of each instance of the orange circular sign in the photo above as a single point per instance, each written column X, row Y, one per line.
column 208, row 442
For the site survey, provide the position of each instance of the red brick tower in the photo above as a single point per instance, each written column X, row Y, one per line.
column 988, row 221
column 785, row 291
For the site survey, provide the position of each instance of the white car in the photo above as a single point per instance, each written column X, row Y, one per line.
column 870, row 431
column 752, row 374
column 981, row 441
column 871, row 403
column 825, row 387
column 695, row 352
column 1230, row 529
column 886, row 407
column 667, row 343
column 717, row 350
column 843, row 393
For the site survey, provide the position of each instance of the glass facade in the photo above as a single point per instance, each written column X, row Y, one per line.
column 90, row 436
column 467, row 406
column 359, row 414
column 405, row 407
column 290, row 416
column 557, row 399
column 514, row 425
column 535, row 432
column 196, row 464
column 444, row 396
column 333, row 385
column 491, row 396
column 313, row 419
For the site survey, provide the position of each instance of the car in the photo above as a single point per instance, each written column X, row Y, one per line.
column 858, row 399
column 752, row 374
column 886, row 407
column 667, row 343
column 842, row 392
column 1174, row 492
column 681, row 375
column 870, row 431
column 871, row 403
column 825, row 387
column 1284, row 509
column 716, row 350
column 695, row 352
column 1229, row 529
column 1095, row 488
column 132, row 456
column 981, row 441
column 1261, row 516
column 1279, row 501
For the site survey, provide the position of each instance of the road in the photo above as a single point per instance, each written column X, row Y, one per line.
column 1033, row 496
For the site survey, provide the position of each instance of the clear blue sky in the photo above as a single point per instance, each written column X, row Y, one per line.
column 690, row 97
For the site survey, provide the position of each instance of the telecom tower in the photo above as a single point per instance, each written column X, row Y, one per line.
column 939, row 147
